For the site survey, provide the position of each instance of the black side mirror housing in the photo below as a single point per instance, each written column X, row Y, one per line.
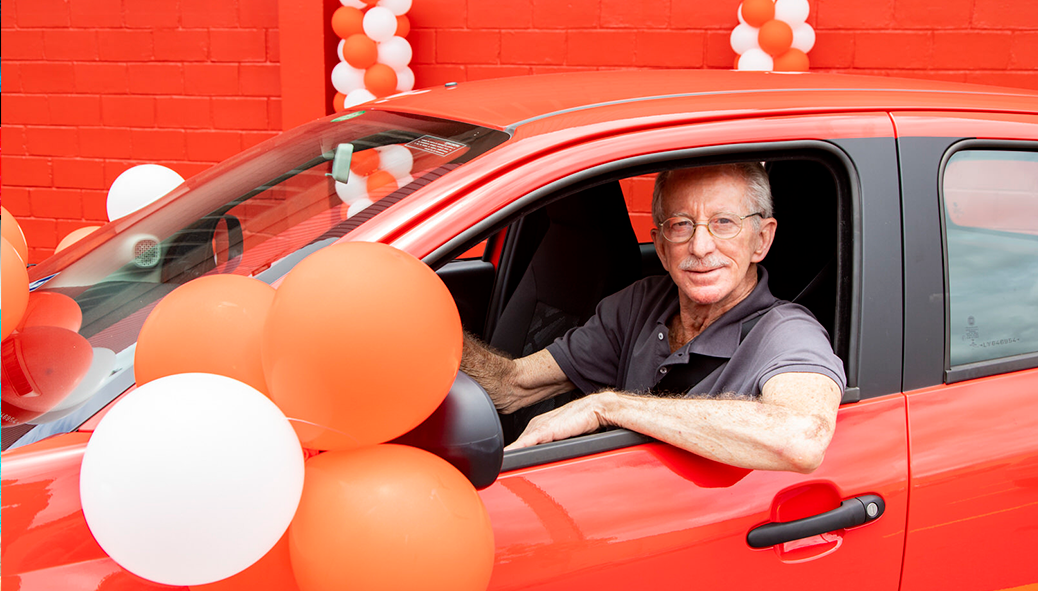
column 465, row 430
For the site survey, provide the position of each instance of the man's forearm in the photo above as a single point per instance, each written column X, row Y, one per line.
column 743, row 433
column 513, row 383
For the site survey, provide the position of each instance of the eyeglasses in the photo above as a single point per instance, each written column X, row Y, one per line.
column 680, row 229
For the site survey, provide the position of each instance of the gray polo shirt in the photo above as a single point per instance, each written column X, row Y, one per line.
column 625, row 345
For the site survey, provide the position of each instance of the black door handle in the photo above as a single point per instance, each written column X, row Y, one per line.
column 850, row 513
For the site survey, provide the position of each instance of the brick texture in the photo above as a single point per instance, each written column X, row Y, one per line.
column 93, row 87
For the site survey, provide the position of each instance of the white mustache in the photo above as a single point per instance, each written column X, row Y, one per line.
column 708, row 263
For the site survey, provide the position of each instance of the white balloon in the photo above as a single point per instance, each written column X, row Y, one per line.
column 358, row 206
column 346, row 78
column 738, row 13
column 356, row 97
column 744, row 38
column 354, row 4
column 756, row 60
column 191, row 478
column 396, row 160
column 404, row 80
column 395, row 53
column 803, row 37
column 353, row 189
column 140, row 186
column 398, row 7
column 100, row 368
column 379, row 24
column 793, row 12
column 338, row 50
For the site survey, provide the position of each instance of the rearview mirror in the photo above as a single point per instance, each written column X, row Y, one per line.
column 341, row 162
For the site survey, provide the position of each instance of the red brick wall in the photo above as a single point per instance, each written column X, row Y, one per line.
column 92, row 87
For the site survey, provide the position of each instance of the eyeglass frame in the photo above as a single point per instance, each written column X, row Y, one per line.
column 695, row 225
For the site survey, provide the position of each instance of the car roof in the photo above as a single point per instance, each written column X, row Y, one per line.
column 580, row 97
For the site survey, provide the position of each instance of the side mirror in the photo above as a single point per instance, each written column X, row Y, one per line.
column 465, row 430
column 341, row 162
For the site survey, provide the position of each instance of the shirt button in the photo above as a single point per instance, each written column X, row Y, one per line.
column 663, row 370
column 660, row 336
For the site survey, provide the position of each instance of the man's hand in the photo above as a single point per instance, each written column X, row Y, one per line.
column 584, row 415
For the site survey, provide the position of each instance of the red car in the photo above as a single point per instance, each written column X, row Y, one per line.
column 908, row 218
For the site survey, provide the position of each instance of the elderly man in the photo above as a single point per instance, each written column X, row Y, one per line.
column 772, row 404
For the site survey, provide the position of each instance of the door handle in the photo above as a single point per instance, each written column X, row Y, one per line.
column 852, row 512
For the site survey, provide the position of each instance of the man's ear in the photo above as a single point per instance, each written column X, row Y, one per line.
column 657, row 242
column 765, row 238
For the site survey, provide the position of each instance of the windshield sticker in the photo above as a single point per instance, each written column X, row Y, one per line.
column 39, row 282
column 434, row 145
column 348, row 116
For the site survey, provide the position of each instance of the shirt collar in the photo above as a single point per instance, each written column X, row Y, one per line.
column 721, row 338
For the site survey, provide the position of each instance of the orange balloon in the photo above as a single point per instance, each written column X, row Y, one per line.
column 338, row 102
column 41, row 365
column 758, row 12
column 403, row 25
column 347, row 21
column 364, row 162
column 273, row 571
column 14, row 283
column 380, row 79
column 389, row 517
column 793, row 60
column 775, row 37
column 360, row 51
column 75, row 236
column 209, row 325
column 335, row 340
column 380, row 184
column 50, row 308
column 12, row 232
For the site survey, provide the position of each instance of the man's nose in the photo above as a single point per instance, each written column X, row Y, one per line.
column 702, row 241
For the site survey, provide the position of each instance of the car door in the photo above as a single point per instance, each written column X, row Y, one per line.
column 614, row 510
column 970, row 200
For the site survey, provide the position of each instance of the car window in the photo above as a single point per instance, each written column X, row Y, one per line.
column 991, row 234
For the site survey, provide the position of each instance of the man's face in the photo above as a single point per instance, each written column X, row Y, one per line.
column 711, row 271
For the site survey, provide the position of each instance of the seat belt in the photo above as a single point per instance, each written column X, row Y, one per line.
column 682, row 378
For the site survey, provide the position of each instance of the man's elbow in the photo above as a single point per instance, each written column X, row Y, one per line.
column 807, row 450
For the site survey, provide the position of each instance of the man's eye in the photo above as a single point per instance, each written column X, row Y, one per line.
column 723, row 222
column 680, row 224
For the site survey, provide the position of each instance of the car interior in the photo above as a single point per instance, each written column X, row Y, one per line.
column 547, row 270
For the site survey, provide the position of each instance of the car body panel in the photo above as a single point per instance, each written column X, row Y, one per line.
column 652, row 516
column 974, row 458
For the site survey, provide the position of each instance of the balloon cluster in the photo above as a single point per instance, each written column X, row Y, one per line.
column 373, row 52
column 772, row 35
column 198, row 476
column 375, row 173
column 48, row 369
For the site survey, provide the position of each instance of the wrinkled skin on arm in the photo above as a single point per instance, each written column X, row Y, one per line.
column 513, row 383
column 789, row 428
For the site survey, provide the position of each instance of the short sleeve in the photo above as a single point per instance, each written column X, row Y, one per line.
column 791, row 340
column 590, row 355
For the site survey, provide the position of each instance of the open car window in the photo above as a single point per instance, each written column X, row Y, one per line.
column 256, row 215
column 558, row 259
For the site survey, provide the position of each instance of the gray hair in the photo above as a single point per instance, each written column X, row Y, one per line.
column 756, row 199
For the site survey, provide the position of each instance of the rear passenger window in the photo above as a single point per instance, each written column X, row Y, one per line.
column 991, row 230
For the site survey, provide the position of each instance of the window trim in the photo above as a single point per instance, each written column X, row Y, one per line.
column 992, row 367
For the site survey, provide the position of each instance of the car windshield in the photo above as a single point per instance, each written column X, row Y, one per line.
column 257, row 215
